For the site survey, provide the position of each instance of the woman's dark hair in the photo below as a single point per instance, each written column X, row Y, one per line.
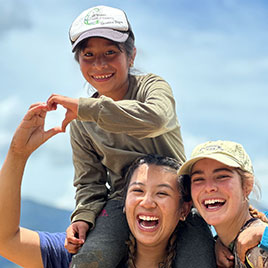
column 127, row 46
column 158, row 160
column 182, row 183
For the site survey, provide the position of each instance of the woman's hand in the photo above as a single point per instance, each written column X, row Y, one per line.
column 30, row 134
column 70, row 104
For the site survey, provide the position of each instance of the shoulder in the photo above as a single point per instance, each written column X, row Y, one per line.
column 254, row 222
column 146, row 83
column 149, row 77
column 195, row 225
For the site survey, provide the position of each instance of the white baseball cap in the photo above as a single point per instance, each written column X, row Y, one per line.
column 100, row 21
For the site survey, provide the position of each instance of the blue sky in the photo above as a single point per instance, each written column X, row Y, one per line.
column 213, row 53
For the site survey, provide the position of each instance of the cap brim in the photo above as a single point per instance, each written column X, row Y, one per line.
column 186, row 168
column 102, row 32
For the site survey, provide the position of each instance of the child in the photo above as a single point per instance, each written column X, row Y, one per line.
column 128, row 116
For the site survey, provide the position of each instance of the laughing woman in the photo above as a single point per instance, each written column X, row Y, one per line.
column 222, row 177
column 156, row 208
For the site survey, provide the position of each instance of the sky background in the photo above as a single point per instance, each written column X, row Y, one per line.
column 213, row 53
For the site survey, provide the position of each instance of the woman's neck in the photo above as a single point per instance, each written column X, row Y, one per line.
column 149, row 256
column 227, row 232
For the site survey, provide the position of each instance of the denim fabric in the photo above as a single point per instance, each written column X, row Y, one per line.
column 105, row 245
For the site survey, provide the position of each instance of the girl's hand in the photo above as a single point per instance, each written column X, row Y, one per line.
column 76, row 236
column 70, row 104
column 30, row 134
column 248, row 239
column 224, row 257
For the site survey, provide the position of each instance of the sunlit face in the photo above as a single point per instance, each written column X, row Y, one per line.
column 153, row 204
column 105, row 67
column 217, row 192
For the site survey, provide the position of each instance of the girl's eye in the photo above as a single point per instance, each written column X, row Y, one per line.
column 137, row 190
column 197, row 180
column 162, row 193
column 88, row 54
column 110, row 52
column 223, row 176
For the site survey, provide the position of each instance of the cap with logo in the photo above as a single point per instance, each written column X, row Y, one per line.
column 100, row 21
column 227, row 152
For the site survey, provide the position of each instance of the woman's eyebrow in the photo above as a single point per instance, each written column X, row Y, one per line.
column 214, row 171
column 197, row 172
column 136, row 183
column 165, row 185
column 222, row 169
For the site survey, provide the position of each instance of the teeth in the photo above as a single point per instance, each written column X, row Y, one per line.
column 148, row 227
column 102, row 76
column 213, row 201
column 148, row 218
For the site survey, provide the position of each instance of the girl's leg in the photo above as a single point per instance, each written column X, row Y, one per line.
column 195, row 244
column 105, row 245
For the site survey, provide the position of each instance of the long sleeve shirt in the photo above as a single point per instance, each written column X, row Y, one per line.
column 109, row 135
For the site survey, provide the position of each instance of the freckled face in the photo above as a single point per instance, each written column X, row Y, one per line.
column 216, row 191
column 105, row 67
column 152, row 204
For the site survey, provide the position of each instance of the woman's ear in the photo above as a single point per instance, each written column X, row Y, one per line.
column 185, row 209
column 124, row 210
column 248, row 186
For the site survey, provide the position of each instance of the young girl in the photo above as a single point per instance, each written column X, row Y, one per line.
column 128, row 116
column 222, row 178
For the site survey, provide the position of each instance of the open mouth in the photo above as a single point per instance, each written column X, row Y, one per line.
column 214, row 203
column 148, row 222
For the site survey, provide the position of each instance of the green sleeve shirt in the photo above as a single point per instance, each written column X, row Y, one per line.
column 109, row 135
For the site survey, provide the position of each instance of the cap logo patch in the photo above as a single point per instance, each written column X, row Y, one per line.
column 95, row 17
column 211, row 148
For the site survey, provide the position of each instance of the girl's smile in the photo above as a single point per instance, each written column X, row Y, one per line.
column 105, row 66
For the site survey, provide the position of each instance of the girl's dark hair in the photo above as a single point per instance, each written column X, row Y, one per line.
column 127, row 46
column 170, row 256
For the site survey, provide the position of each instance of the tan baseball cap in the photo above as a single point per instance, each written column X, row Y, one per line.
column 100, row 21
column 227, row 152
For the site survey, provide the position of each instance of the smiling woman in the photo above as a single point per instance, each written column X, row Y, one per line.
column 222, row 177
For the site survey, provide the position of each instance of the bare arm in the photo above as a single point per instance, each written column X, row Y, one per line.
column 20, row 245
column 248, row 239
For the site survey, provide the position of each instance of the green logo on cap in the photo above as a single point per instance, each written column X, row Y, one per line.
column 92, row 17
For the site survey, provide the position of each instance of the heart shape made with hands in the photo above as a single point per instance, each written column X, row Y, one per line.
column 55, row 117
